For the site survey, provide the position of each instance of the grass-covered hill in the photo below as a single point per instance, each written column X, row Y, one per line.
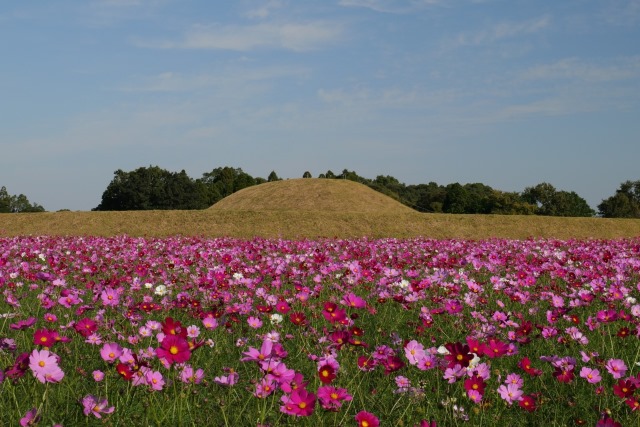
column 312, row 208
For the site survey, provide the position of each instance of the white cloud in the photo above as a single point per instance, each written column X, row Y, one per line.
column 290, row 36
column 390, row 6
column 265, row 10
column 229, row 78
column 574, row 68
column 503, row 30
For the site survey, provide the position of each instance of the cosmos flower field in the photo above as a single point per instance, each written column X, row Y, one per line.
column 128, row 331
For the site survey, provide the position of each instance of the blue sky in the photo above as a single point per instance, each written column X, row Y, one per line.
column 509, row 93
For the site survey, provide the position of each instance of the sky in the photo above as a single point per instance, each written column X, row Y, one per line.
column 508, row 93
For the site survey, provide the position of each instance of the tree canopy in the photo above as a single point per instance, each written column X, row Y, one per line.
column 625, row 203
column 16, row 203
column 152, row 188
column 155, row 188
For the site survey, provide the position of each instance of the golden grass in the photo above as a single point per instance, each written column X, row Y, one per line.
column 311, row 209
column 311, row 194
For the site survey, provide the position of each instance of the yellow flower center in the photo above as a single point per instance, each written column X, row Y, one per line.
column 302, row 405
column 41, row 363
column 173, row 349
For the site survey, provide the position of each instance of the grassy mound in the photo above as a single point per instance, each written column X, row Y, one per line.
column 311, row 194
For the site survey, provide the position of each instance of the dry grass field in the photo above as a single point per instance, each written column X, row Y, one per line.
column 312, row 208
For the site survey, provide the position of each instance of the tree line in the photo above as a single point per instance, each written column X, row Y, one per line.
column 155, row 188
column 16, row 203
column 152, row 187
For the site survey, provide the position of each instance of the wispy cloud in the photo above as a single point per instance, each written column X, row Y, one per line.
column 289, row 36
column 170, row 81
column 622, row 13
column 265, row 10
column 390, row 6
column 503, row 30
column 574, row 68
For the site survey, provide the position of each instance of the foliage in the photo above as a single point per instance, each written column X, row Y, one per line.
column 222, row 182
column 16, row 203
column 144, row 188
column 551, row 202
column 624, row 204
column 151, row 187
column 273, row 176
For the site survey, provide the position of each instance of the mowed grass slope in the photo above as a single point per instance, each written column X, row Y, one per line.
column 312, row 208
column 311, row 195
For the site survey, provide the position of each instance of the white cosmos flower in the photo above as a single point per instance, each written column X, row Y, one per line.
column 161, row 290
column 276, row 318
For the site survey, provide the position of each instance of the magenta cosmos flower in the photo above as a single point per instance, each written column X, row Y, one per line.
column 367, row 419
column 331, row 398
column 174, row 348
column 299, row 403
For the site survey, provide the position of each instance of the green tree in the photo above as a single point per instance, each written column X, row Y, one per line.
column 456, row 199
column 152, row 188
column 5, row 200
column 273, row 176
column 306, row 174
column 551, row 202
column 625, row 203
column 16, row 203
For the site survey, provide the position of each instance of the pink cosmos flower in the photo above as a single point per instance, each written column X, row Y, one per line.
column 510, row 393
column 331, row 398
column 354, row 301
column 110, row 297
column 31, row 418
column 110, row 352
column 229, row 380
column 95, row 406
column 98, row 376
column 616, row 368
column 255, row 355
column 265, row 387
column 23, row 324
column 300, row 403
column 44, row 366
column 367, row 419
column 254, row 322
column 475, row 396
column 414, row 352
column 591, row 375
column 154, row 379
column 188, row 375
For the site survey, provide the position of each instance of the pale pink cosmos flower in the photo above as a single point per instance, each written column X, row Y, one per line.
column 616, row 368
column 510, row 393
column 188, row 375
column 193, row 331
column 414, row 352
column 98, row 375
column 210, row 322
column 591, row 375
column 254, row 322
column 95, row 406
column 44, row 366
column 154, row 380
column 110, row 352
